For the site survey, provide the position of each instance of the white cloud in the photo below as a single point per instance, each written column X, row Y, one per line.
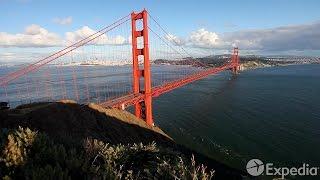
column 36, row 36
column 33, row 36
column 297, row 37
column 34, row 29
column 175, row 39
column 117, row 40
column 200, row 38
column 72, row 37
column 203, row 38
column 287, row 38
column 63, row 21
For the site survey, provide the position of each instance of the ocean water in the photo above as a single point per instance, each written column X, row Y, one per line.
column 272, row 114
column 81, row 83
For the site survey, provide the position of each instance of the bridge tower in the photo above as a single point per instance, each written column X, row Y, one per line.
column 141, row 77
column 235, row 60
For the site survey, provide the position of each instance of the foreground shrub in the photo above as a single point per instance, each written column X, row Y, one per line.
column 19, row 142
column 33, row 155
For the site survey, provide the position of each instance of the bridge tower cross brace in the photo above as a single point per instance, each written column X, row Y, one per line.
column 143, row 109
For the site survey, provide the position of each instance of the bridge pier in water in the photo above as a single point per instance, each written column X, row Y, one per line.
column 143, row 109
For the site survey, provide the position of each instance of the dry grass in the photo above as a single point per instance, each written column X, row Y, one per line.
column 32, row 155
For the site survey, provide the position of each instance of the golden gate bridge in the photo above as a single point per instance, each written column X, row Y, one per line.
column 68, row 73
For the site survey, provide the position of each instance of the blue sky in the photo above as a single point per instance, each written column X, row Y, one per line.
column 222, row 21
column 213, row 15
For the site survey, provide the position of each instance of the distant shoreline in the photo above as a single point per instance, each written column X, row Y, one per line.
column 246, row 67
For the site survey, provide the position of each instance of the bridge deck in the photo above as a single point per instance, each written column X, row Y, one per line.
column 131, row 99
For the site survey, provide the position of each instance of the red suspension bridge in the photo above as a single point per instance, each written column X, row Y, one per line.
column 127, row 77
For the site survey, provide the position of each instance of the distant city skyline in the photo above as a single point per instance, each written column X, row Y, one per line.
column 33, row 27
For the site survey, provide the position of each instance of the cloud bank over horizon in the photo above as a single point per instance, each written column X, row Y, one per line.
column 35, row 36
column 286, row 38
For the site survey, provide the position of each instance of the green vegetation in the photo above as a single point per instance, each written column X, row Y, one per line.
column 31, row 154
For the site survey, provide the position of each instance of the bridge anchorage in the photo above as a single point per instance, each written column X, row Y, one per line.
column 57, row 76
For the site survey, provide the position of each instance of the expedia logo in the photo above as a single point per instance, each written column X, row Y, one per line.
column 255, row 167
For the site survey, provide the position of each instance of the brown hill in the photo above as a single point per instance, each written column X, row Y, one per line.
column 73, row 122
column 82, row 121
